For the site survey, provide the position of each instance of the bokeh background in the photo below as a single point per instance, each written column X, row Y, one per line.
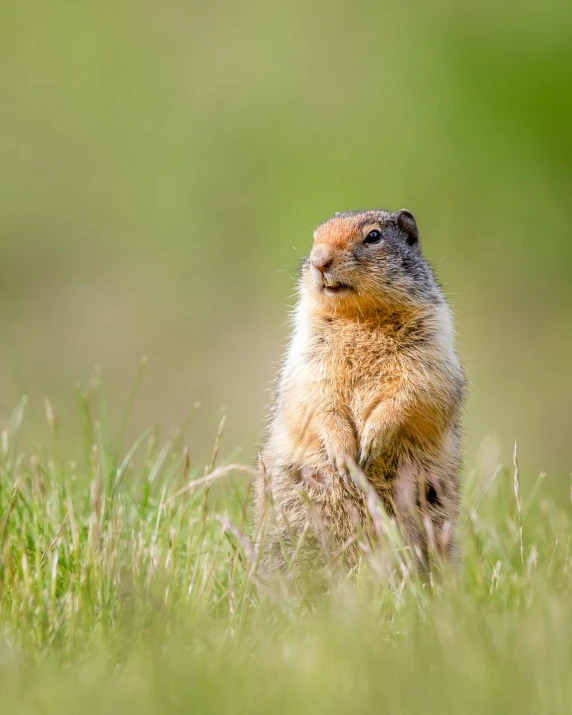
column 164, row 164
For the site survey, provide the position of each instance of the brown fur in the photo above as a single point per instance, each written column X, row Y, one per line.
column 370, row 378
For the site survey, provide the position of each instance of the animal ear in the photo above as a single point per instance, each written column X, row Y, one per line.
column 407, row 225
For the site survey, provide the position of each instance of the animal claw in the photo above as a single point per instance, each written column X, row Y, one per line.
column 365, row 459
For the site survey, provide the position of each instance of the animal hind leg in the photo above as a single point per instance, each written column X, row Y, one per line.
column 425, row 512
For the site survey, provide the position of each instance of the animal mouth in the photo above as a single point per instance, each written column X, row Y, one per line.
column 331, row 286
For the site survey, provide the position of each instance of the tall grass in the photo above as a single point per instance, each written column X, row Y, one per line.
column 129, row 582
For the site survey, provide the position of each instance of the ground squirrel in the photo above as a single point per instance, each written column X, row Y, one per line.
column 370, row 378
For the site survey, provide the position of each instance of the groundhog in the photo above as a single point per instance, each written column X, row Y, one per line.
column 371, row 382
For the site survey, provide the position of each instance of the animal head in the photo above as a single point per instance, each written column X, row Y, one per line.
column 364, row 261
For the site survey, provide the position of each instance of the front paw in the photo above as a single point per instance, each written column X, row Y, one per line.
column 341, row 461
column 371, row 446
column 342, row 458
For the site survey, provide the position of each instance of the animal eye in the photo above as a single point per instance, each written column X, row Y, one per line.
column 373, row 237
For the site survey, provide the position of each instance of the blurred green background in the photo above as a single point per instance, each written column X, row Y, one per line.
column 164, row 164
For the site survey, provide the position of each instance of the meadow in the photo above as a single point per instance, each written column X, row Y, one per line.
column 129, row 583
column 163, row 168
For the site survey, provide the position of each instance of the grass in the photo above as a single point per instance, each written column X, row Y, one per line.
column 128, row 583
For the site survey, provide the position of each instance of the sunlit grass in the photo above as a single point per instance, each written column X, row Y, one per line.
column 128, row 582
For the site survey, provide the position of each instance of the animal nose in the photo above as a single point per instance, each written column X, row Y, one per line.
column 321, row 259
